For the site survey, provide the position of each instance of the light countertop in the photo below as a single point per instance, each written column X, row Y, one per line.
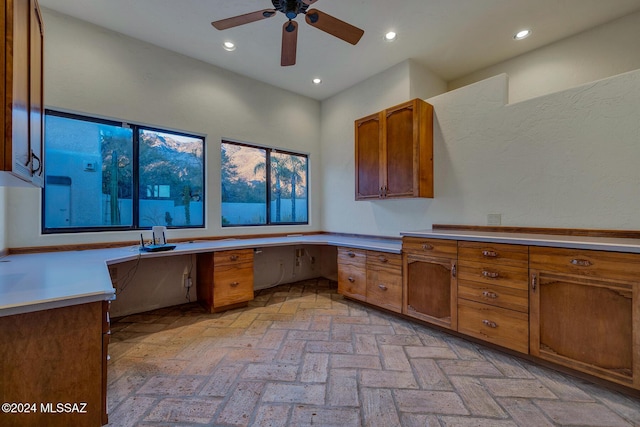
column 530, row 239
column 40, row 281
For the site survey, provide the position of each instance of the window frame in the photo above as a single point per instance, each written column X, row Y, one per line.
column 268, row 152
column 135, row 157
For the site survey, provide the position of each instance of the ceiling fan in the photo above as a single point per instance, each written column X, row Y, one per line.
column 291, row 9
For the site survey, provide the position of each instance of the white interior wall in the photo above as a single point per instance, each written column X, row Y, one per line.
column 595, row 54
column 567, row 159
column 98, row 72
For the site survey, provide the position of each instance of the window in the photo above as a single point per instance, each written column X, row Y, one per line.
column 106, row 175
column 263, row 186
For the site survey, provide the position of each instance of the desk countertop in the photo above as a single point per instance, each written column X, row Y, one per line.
column 40, row 281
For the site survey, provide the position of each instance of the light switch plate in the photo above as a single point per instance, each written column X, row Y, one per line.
column 494, row 219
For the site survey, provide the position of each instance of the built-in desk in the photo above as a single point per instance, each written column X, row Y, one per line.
column 54, row 323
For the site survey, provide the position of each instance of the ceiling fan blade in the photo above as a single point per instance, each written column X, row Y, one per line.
column 309, row 2
column 234, row 21
column 289, row 43
column 333, row 26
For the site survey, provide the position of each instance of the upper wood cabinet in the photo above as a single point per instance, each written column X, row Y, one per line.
column 394, row 152
column 22, row 152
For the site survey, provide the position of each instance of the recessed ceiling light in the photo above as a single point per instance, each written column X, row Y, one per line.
column 317, row 81
column 522, row 34
column 229, row 46
column 390, row 36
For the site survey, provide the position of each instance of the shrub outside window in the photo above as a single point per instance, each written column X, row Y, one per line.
column 108, row 175
column 262, row 186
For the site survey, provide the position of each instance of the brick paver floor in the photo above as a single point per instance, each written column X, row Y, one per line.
column 302, row 355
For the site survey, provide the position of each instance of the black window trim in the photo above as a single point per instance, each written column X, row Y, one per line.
column 268, row 151
column 135, row 198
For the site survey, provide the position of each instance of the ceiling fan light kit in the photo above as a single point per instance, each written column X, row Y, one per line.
column 291, row 9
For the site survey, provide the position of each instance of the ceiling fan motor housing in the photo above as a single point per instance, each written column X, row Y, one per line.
column 291, row 8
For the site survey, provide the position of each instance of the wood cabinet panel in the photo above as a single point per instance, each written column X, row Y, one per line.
column 54, row 356
column 439, row 248
column 507, row 328
column 596, row 264
column 430, row 288
column 494, row 253
column 352, row 281
column 499, row 296
column 584, row 323
column 384, row 288
column 22, row 91
column 493, row 274
column 368, row 131
column 224, row 279
column 394, row 152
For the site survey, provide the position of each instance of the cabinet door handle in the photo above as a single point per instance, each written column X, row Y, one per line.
column 381, row 193
column 534, row 282
column 489, row 254
column 351, row 254
column 454, row 271
column 383, row 287
column 351, row 279
column 581, row 262
column 233, row 257
column 234, row 284
column 488, row 294
column 490, row 274
column 427, row 246
column 383, row 259
column 489, row 323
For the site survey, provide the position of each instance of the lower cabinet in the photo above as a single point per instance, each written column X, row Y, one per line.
column 371, row 276
column 55, row 356
column 225, row 279
column 430, row 281
column 583, row 306
column 493, row 296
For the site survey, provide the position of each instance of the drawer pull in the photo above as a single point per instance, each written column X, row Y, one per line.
column 351, row 279
column 383, row 287
column 581, row 262
column 491, row 295
column 234, row 284
column 351, row 254
column 490, row 274
column 489, row 254
column 233, row 257
column 427, row 247
column 383, row 259
column 490, row 324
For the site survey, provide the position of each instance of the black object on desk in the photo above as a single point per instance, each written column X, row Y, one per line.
column 154, row 247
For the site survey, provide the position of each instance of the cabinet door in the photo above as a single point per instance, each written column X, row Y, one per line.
column 36, row 102
column 583, row 323
column 431, row 290
column 368, row 157
column 18, row 138
column 399, row 149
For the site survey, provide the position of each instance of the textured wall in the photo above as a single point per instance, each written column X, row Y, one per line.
column 567, row 159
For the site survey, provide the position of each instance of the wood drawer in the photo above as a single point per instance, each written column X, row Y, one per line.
column 233, row 284
column 506, row 328
column 611, row 266
column 499, row 296
column 384, row 289
column 352, row 256
column 432, row 247
column 232, row 257
column 494, row 253
column 352, row 281
column 494, row 274
column 377, row 259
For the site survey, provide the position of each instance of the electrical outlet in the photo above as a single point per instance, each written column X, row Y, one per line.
column 186, row 280
column 494, row 219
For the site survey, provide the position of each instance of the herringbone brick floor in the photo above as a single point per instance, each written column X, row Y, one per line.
column 301, row 355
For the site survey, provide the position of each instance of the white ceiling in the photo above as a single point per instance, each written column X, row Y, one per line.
column 451, row 37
